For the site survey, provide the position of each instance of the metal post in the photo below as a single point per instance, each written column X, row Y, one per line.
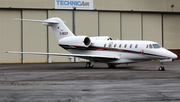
column 73, row 16
column 47, row 40
column 162, row 30
column 98, row 25
column 120, row 26
column 73, row 19
column 142, row 27
column 22, row 36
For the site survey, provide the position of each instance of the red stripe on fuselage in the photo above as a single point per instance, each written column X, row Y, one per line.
column 109, row 49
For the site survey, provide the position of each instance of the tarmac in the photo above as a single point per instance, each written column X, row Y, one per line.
column 72, row 82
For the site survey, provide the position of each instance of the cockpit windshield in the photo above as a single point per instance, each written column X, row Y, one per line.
column 151, row 46
column 156, row 46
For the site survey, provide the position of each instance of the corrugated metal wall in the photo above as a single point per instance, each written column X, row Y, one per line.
column 34, row 36
column 119, row 25
column 131, row 26
column 109, row 24
column 136, row 5
column 171, row 31
column 86, row 23
column 10, row 36
column 152, row 27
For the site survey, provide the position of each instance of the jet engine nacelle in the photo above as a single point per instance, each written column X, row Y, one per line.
column 75, row 42
column 101, row 38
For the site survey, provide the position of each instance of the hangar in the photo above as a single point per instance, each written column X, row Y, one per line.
column 155, row 20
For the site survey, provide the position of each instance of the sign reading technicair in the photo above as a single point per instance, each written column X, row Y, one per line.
column 70, row 4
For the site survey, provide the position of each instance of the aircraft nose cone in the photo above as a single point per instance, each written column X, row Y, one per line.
column 174, row 56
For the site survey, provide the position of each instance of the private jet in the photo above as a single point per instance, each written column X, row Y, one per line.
column 102, row 48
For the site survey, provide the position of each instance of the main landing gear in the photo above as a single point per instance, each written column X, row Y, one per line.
column 161, row 68
column 90, row 64
column 111, row 65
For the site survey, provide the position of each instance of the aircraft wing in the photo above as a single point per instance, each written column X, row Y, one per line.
column 63, row 54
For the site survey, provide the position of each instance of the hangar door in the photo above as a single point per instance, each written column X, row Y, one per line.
column 171, row 31
column 10, row 36
column 86, row 23
column 131, row 26
column 34, row 36
column 109, row 24
column 152, row 27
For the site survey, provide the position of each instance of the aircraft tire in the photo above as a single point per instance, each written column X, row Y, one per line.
column 161, row 68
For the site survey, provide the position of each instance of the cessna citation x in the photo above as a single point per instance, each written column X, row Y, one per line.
column 103, row 48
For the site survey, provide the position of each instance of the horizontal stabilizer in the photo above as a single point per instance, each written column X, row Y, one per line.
column 42, row 21
column 63, row 54
column 29, row 20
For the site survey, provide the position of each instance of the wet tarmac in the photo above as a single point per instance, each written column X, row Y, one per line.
column 71, row 82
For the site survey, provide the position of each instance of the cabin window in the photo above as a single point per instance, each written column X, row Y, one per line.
column 147, row 46
column 120, row 46
column 114, row 45
column 110, row 44
column 136, row 46
column 156, row 46
column 125, row 45
column 131, row 46
column 150, row 46
column 104, row 45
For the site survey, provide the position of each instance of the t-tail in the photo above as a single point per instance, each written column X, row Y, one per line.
column 66, row 38
column 58, row 26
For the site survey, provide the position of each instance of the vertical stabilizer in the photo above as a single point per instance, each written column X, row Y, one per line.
column 59, row 28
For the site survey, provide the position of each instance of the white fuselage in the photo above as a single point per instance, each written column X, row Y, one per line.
column 127, row 51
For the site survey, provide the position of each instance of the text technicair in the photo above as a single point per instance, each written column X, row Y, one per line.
column 72, row 3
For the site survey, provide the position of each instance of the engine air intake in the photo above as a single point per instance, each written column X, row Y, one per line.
column 87, row 41
column 79, row 42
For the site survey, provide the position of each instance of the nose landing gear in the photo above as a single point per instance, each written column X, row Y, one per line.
column 89, row 64
column 161, row 68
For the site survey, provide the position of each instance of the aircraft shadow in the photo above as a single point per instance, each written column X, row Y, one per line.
column 75, row 66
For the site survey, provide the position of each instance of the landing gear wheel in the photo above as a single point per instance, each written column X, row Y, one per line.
column 161, row 68
column 111, row 65
column 89, row 65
